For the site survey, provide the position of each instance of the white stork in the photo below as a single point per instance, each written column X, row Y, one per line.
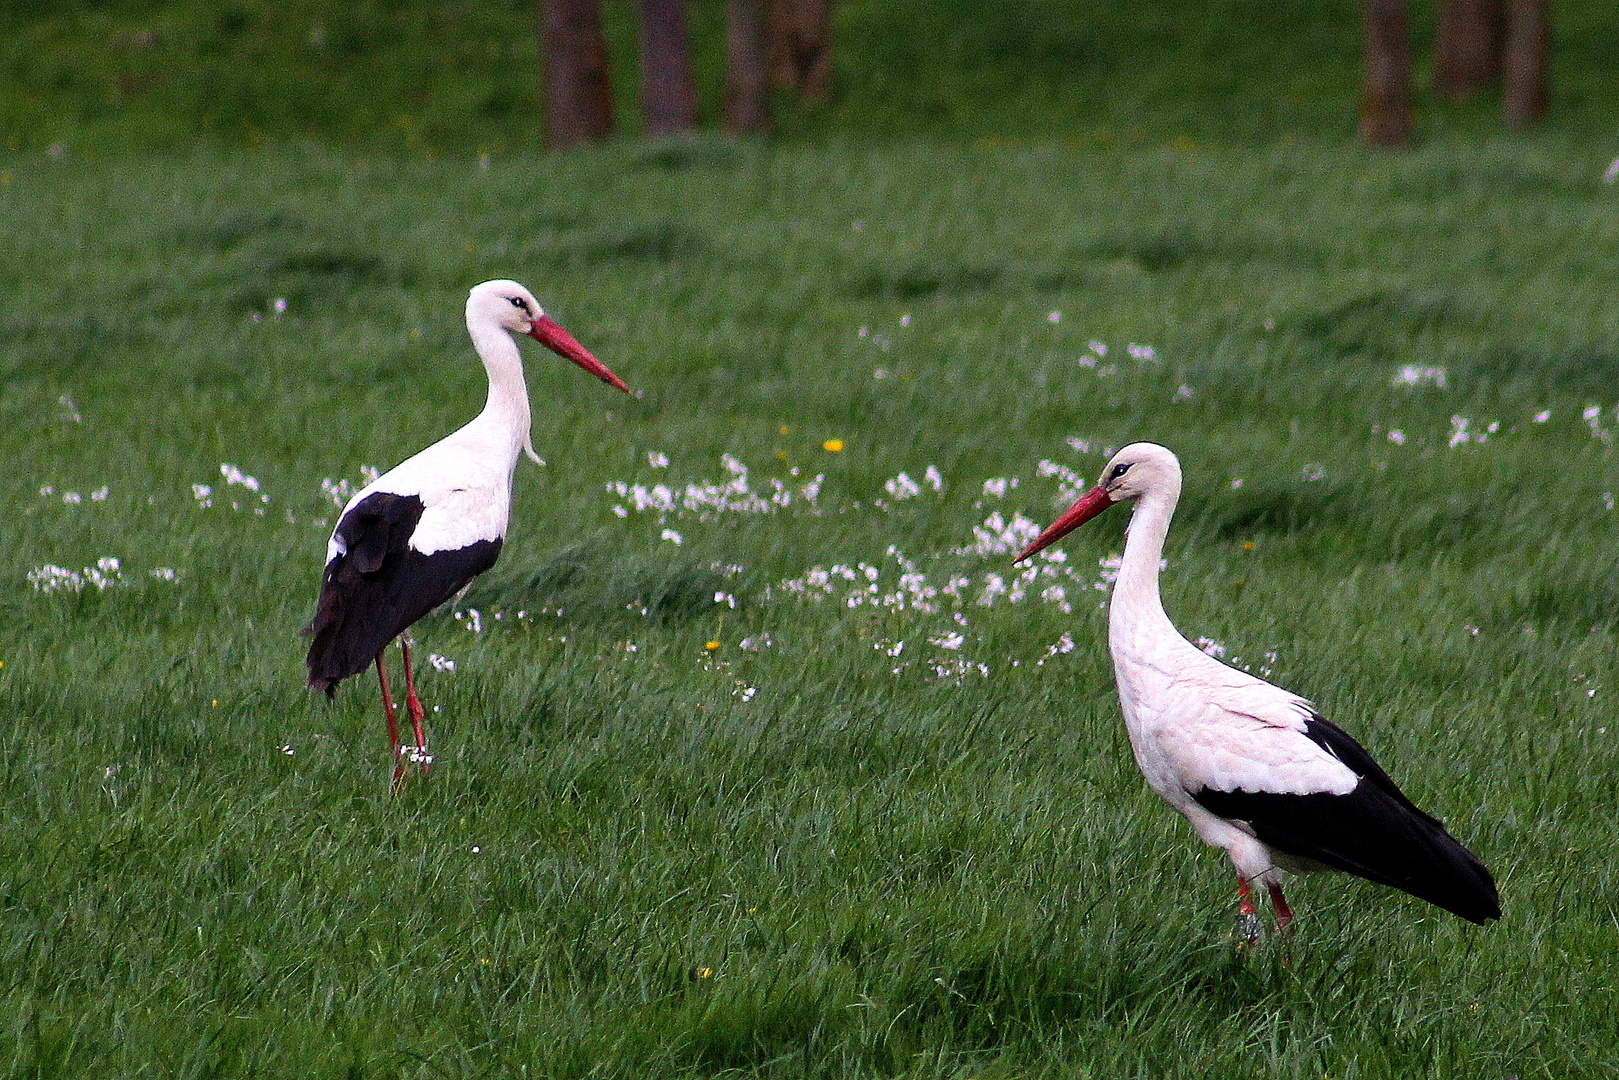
column 1253, row 767
column 412, row 538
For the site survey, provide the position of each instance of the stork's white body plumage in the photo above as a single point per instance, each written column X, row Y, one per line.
column 416, row 535
column 1252, row 766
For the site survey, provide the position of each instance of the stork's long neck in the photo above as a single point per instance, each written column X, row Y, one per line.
column 505, row 415
column 1136, row 619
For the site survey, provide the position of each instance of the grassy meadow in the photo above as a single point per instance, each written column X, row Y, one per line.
column 754, row 757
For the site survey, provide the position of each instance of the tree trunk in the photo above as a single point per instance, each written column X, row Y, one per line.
column 578, row 91
column 747, row 72
column 668, row 94
column 1525, row 60
column 801, row 47
column 1467, row 51
column 1385, row 89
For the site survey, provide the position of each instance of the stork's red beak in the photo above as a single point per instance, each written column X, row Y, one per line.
column 546, row 331
column 1090, row 504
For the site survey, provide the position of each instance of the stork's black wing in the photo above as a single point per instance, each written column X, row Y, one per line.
column 1374, row 832
column 378, row 585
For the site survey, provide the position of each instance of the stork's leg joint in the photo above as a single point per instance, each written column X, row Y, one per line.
column 395, row 750
column 1247, row 917
column 418, row 715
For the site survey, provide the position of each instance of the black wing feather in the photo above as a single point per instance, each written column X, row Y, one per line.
column 1374, row 832
column 379, row 586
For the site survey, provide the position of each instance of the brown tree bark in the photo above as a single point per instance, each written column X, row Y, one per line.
column 1525, row 62
column 1467, row 49
column 1385, row 89
column 578, row 91
column 668, row 93
column 801, row 47
column 747, row 71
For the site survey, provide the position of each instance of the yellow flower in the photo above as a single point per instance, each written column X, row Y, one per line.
column 712, row 645
column 833, row 446
column 1247, row 545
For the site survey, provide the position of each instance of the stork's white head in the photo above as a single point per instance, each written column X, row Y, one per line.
column 506, row 304
column 1139, row 469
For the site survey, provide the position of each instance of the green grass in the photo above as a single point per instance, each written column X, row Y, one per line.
column 641, row 858
column 886, row 872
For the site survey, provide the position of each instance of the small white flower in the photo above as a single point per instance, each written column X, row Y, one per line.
column 1396, row 436
column 902, row 487
column 440, row 663
column 997, row 487
column 1420, row 375
column 657, row 460
column 672, row 536
column 233, row 475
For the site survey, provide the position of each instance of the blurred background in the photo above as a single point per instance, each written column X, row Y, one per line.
column 448, row 76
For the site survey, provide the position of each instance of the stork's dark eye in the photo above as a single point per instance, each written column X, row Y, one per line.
column 519, row 303
column 1118, row 470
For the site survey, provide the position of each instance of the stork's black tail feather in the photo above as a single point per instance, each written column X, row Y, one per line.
column 1373, row 832
column 378, row 586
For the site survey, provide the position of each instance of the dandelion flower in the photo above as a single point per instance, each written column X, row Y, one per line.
column 833, row 446
column 711, row 646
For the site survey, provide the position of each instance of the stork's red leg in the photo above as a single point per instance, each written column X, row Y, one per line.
column 393, row 724
column 1284, row 914
column 1247, row 917
column 413, row 705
